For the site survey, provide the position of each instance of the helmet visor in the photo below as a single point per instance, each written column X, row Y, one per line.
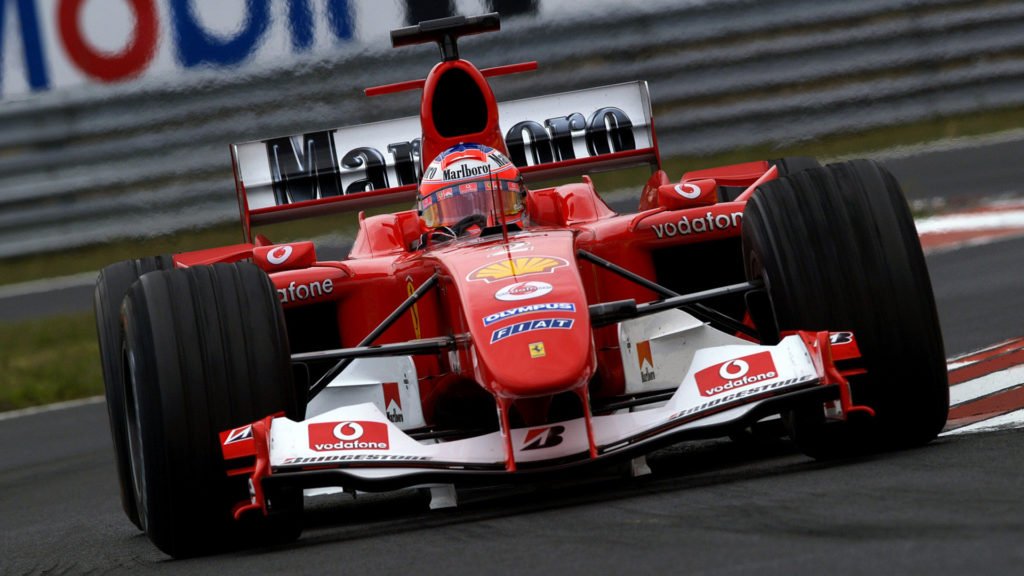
column 448, row 206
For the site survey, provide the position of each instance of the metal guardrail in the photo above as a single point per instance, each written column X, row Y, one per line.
column 90, row 166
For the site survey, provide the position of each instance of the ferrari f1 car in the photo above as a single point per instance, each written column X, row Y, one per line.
column 505, row 331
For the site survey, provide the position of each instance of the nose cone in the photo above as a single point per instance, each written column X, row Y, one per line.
column 542, row 353
column 527, row 315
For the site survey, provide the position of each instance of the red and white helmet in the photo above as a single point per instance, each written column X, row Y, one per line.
column 471, row 180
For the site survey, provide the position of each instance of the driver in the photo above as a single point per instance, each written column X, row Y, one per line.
column 471, row 188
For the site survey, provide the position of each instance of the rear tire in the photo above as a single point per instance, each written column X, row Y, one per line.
column 837, row 250
column 111, row 286
column 206, row 350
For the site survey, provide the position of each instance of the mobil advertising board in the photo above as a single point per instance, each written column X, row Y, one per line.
column 58, row 44
column 51, row 45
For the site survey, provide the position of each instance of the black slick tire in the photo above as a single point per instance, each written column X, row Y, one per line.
column 111, row 285
column 837, row 250
column 788, row 165
column 206, row 350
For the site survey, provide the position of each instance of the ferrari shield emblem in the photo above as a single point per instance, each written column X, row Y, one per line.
column 537, row 350
column 516, row 267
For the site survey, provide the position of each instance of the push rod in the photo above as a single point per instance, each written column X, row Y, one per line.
column 701, row 311
column 368, row 340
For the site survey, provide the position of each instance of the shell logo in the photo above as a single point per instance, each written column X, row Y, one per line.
column 516, row 267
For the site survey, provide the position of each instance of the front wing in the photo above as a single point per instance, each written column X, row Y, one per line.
column 358, row 448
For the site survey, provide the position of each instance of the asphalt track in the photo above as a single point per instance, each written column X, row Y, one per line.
column 953, row 507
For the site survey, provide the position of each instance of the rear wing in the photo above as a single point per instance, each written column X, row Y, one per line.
column 357, row 167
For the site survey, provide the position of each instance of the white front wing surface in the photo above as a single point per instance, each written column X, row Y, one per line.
column 724, row 384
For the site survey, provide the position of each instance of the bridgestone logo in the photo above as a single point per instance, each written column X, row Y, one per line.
column 709, row 223
column 466, row 172
column 729, row 398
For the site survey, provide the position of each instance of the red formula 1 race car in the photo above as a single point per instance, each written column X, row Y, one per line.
column 505, row 331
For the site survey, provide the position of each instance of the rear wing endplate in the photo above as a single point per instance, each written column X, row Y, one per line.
column 357, row 167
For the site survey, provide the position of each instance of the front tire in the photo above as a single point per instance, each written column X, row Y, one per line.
column 789, row 165
column 111, row 286
column 837, row 250
column 206, row 350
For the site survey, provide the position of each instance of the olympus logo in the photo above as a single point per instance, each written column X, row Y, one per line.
column 529, row 309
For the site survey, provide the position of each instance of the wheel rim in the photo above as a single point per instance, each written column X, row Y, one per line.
column 134, row 438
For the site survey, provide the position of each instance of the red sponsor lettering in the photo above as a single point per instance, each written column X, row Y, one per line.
column 128, row 63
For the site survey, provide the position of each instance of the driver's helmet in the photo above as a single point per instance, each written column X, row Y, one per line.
column 471, row 183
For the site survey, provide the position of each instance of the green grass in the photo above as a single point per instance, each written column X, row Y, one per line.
column 49, row 360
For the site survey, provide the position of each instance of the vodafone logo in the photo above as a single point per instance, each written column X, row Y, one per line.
column 348, row 431
column 523, row 291
column 736, row 373
column 688, row 191
column 733, row 369
column 295, row 293
column 280, row 255
column 332, row 436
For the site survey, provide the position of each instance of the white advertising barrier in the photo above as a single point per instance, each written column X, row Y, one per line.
column 60, row 44
column 50, row 45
